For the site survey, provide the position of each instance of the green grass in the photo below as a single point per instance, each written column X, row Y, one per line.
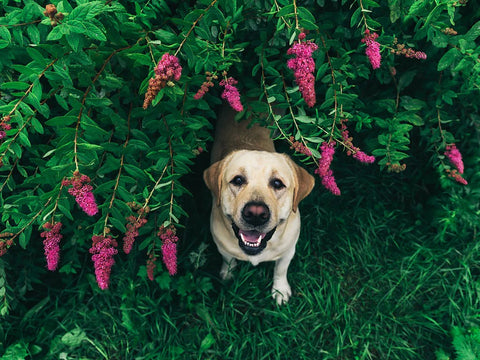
column 372, row 279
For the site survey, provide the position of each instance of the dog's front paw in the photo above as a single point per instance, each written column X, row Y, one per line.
column 281, row 292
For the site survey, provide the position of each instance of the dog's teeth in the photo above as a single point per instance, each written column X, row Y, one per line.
column 252, row 244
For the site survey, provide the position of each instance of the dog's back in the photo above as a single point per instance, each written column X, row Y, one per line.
column 231, row 135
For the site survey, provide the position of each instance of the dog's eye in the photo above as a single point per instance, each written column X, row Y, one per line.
column 277, row 184
column 238, row 180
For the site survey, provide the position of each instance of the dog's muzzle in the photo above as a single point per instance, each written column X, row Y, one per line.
column 252, row 242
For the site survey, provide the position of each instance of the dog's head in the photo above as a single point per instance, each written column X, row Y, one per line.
column 257, row 191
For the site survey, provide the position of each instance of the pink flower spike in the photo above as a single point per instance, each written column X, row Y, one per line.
column 82, row 192
column 132, row 232
column 169, row 252
column 357, row 153
column 151, row 266
column 231, row 93
column 455, row 157
column 103, row 250
column 324, row 171
column 169, row 68
column 373, row 49
column 303, row 67
column 364, row 158
column 169, row 248
column 51, row 244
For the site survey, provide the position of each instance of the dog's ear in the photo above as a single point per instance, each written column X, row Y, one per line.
column 303, row 185
column 213, row 179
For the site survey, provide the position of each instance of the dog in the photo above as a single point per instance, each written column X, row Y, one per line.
column 256, row 192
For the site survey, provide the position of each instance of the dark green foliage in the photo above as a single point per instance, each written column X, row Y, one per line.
column 388, row 270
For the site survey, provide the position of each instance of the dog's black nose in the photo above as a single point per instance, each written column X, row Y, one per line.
column 255, row 213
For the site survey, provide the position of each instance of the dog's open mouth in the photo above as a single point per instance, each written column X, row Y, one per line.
column 252, row 242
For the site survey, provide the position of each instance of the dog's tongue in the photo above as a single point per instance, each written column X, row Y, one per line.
column 252, row 236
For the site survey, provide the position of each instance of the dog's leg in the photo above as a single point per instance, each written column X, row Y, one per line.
column 229, row 263
column 281, row 290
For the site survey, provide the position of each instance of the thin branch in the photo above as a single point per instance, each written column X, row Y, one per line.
column 31, row 220
column 117, row 181
column 193, row 26
column 334, row 82
column 27, row 92
column 77, row 126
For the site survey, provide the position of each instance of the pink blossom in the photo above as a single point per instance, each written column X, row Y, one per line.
column 299, row 147
column 455, row 175
column 151, row 266
column 169, row 68
column 420, row 55
column 364, row 158
column 4, row 126
column 203, row 90
column 169, row 248
column 303, row 67
column 51, row 244
column 324, row 171
column 4, row 245
column 103, row 250
column 328, row 181
column 357, row 153
column 455, row 157
column 373, row 49
column 82, row 192
column 169, row 252
column 231, row 94
column 132, row 232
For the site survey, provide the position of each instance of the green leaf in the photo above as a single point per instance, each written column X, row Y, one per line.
column 409, row 103
column 448, row 59
column 5, row 34
column 56, row 33
column 473, row 33
column 395, row 10
column 93, row 32
column 24, row 139
column 207, row 342
column 119, row 225
column 65, row 120
column 75, row 41
column 14, row 85
column 33, row 34
column 37, row 55
column 74, row 338
column 92, row 147
column 286, row 10
column 355, row 17
column 34, row 101
column 3, row 43
column 17, row 351
column 65, row 211
column 136, row 172
column 166, row 36
column 305, row 14
column 87, row 11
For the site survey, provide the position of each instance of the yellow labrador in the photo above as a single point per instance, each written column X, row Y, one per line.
column 256, row 193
